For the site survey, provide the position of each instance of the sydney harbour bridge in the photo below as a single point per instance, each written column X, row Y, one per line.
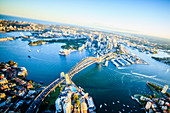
column 84, row 63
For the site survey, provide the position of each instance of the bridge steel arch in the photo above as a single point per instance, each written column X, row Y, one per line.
column 82, row 65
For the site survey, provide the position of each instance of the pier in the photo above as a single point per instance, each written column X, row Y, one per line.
column 120, row 62
column 127, row 63
column 130, row 61
column 116, row 64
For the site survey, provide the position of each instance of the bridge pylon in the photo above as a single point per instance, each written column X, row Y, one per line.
column 98, row 55
column 68, row 81
column 100, row 59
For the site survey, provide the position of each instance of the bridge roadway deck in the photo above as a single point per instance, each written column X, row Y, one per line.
column 37, row 101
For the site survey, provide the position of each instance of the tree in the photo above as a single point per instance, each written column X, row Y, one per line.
column 39, row 86
column 11, row 63
column 52, row 107
column 2, row 65
column 77, row 102
column 15, row 64
column 61, row 88
column 75, row 97
column 30, row 81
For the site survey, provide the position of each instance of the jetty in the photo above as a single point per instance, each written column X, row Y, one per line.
column 130, row 61
column 116, row 64
column 127, row 63
column 120, row 62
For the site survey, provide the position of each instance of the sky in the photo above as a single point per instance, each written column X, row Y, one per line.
column 149, row 17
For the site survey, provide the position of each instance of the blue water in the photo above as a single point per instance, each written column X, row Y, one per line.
column 15, row 34
column 104, row 84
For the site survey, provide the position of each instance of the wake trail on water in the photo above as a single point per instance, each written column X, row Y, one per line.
column 143, row 75
column 122, row 67
column 167, row 70
column 12, row 46
column 151, row 77
column 120, row 72
column 38, row 58
column 122, row 79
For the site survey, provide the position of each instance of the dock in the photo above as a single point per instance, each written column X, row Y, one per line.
column 127, row 63
column 110, row 57
column 130, row 61
column 116, row 64
column 120, row 62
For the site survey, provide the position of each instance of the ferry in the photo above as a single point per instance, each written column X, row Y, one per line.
column 64, row 52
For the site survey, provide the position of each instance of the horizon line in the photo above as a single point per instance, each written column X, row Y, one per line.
column 110, row 29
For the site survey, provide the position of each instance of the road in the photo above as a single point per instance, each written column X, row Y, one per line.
column 37, row 101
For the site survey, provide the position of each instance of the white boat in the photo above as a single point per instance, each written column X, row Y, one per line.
column 118, row 101
column 64, row 52
column 61, row 52
column 101, row 106
column 105, row 104
column 132, row 97
column 37, row 51
column 113, row 103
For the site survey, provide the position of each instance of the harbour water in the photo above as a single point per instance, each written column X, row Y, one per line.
column 104, row 84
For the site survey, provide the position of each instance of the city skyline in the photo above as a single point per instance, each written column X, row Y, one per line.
column 60, row 67
column 142, row 17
